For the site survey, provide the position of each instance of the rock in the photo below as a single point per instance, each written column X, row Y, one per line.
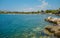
column 47, row 30
column 52, row 30
column 53, row 20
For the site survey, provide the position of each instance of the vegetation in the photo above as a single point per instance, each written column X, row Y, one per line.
column 9, row 12
column 57, row 11
column 53, row 11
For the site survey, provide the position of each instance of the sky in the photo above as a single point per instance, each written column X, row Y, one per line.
column 28, row 5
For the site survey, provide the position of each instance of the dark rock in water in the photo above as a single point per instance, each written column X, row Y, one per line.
column 43, row 34
column 57, row 34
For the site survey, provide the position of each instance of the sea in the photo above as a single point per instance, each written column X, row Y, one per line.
column 23, row 25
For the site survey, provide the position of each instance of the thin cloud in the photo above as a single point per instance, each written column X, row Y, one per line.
column 28, row 9
column 43, row 5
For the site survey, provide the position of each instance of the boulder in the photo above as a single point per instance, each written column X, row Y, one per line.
column 53, row 20
column 52, row 30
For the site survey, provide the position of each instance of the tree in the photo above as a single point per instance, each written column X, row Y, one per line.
column 38, row 11
column 42, row 11
column 48, row 11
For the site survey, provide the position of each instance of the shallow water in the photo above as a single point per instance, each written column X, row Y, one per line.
column 23, row 25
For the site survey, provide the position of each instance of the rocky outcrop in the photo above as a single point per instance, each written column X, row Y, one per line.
column 53, row 20
column 52, row 30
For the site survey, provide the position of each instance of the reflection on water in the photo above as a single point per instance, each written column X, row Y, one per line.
column 23, row 26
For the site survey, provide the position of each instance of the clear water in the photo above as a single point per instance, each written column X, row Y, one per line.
column 23, row 25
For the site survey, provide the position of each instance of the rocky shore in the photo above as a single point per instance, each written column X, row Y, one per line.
column 53, row 20
column 53, row 30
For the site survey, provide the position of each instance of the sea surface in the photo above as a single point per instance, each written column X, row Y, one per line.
column 23, row 25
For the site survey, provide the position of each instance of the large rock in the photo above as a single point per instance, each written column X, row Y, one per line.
column 53, row 20
column 52, row 30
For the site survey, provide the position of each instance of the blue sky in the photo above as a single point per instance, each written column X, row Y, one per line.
column 28, row 5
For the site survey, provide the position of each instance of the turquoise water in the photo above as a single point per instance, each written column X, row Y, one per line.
column 23, row 25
